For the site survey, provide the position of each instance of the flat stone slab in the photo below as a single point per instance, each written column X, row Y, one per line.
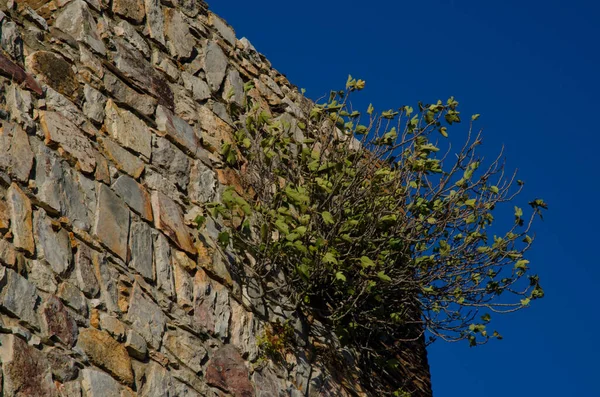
column 135, row 195
column 127, row 129
column 16, row 156
column 112, row 221
column 146, row 317
column 107, row 353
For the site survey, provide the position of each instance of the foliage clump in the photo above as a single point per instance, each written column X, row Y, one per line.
column 374, row 225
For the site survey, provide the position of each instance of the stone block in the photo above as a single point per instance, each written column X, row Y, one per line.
column 19, row 297
column 169, row 219
column 177, row 130
column 98, row 384
column 140, row 247
column 16, row 156
column 112, row 221
column 135, row 195
column 127, row 129
column 57, row 322
column 77, row 20
column 55, row 71
column 53, row 246
column 19, row 206
column 122, row 159
column 227, row 370
column 146, row 317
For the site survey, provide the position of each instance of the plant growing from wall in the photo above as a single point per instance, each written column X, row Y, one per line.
column 374, row 225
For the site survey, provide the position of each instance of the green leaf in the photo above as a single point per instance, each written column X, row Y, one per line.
column 475, row 117
column 518, row 212
column 282, row 226
column 370, row 109
column 224, row 239
column 327, row 218
column 486, row 317
column 470, row 203
column 304, row 270
column 365, row 262
column 494, row 189
column 522, row 264
column 199, row 221
column 384, row 277
column 329, row 257
column 340, row 276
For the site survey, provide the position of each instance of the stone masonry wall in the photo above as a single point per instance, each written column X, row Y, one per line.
column 111, row 115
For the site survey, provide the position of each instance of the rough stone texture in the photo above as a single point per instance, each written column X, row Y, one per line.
column 169, row 219
column 146, row 317
column 135, row 195
column 227, row 370
column 113, row 116
column 112, row 221
column 106, row 353
column 25, row 370
column 16, row 156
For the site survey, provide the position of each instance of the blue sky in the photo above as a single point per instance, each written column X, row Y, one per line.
column 532, row 70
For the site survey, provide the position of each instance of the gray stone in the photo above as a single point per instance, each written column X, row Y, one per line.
column 158, row 380
column 186, row 347
column 98, row 384
column 113, row 326
column 55, row 71
column 20, row 219
column 76, row 20
column 215, row 65
column 84, row 272
column 198, row 87
column 62, row 366
column 19, row 297
column 223, row 28
column 60, row 130
column 123, row 160
column 10, row 40
column 57, row 322
column 191, row 8
column 272, row 85
column 94, row 104
column 16, row 156
column 53, row 246
column 42, row 276
column 107, row 277
column 162, row 263
column 233, row 91
column 168, row 157
column 70, row 389
column 267, row 384
column 127, row 129
column 124, row 94
column 135, row 195
column 78, row 196
column 73, row 298
column 184, row 286
column 140, row 241
column 169, row 219
column 57, row 102
column 146, row 317
column 25, row 370
column 185, row 106
column 154, row 20
column 227, row 370
column 48, row 178
column 19, row 104
column 157, row 181
column 179, row 39
column 130, row 9
column 203, row 183
column 244, row 331
column 136, row 345
column 177, row 130
column 211, row 306
column 125, row 30
column 112, row 221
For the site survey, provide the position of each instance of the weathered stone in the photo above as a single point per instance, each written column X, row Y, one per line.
column 57, row 321
column 19, row 103
column 127, row 129
column 191, row 8
column 128, row 32
column 55, row 71
column 158, row 380
column 113, row 326
column 146, row 317
column 73, row 298
column 112, row 221
column 25, row 370
column 154, row 20
column 243, row 331
column 77, row 20
column 20, row 219
column 133, row 65
column 186, row 347
column 62, row 366
column 221, row 111
column 10, row 40
column 94, row 104
column 107, row 277
column 169, row 219
column 124, row 94
column 227, row 370
column 18, row 296
column 215, row 131
column 224, row 30
column 162, row 263
column 136, row 345
column 211, row 306
column 215, row 65
column 84, row 272
column 198, row 87
column 233, row 91
column 4, row 219
column 53, row 247
column 16, row 73
column 77, row 197
column 59, row 130
column 168, row 157
column 185, row 106
column 98, row 384
column 272, row 85
column 179, row 40
column 42, row 276
column 267, row 384
column 130, row 9
column 203, row 183
column 135, row 195
column 16, row 156
column 106, row 353
column 123, row 160
column 140, row 242
column 59, row 103
column 177, row 129
column 184, row 286
column 156, row 181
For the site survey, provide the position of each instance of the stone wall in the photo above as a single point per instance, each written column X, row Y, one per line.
column 111, row 115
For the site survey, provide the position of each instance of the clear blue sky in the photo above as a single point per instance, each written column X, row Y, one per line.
column 531, row 68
